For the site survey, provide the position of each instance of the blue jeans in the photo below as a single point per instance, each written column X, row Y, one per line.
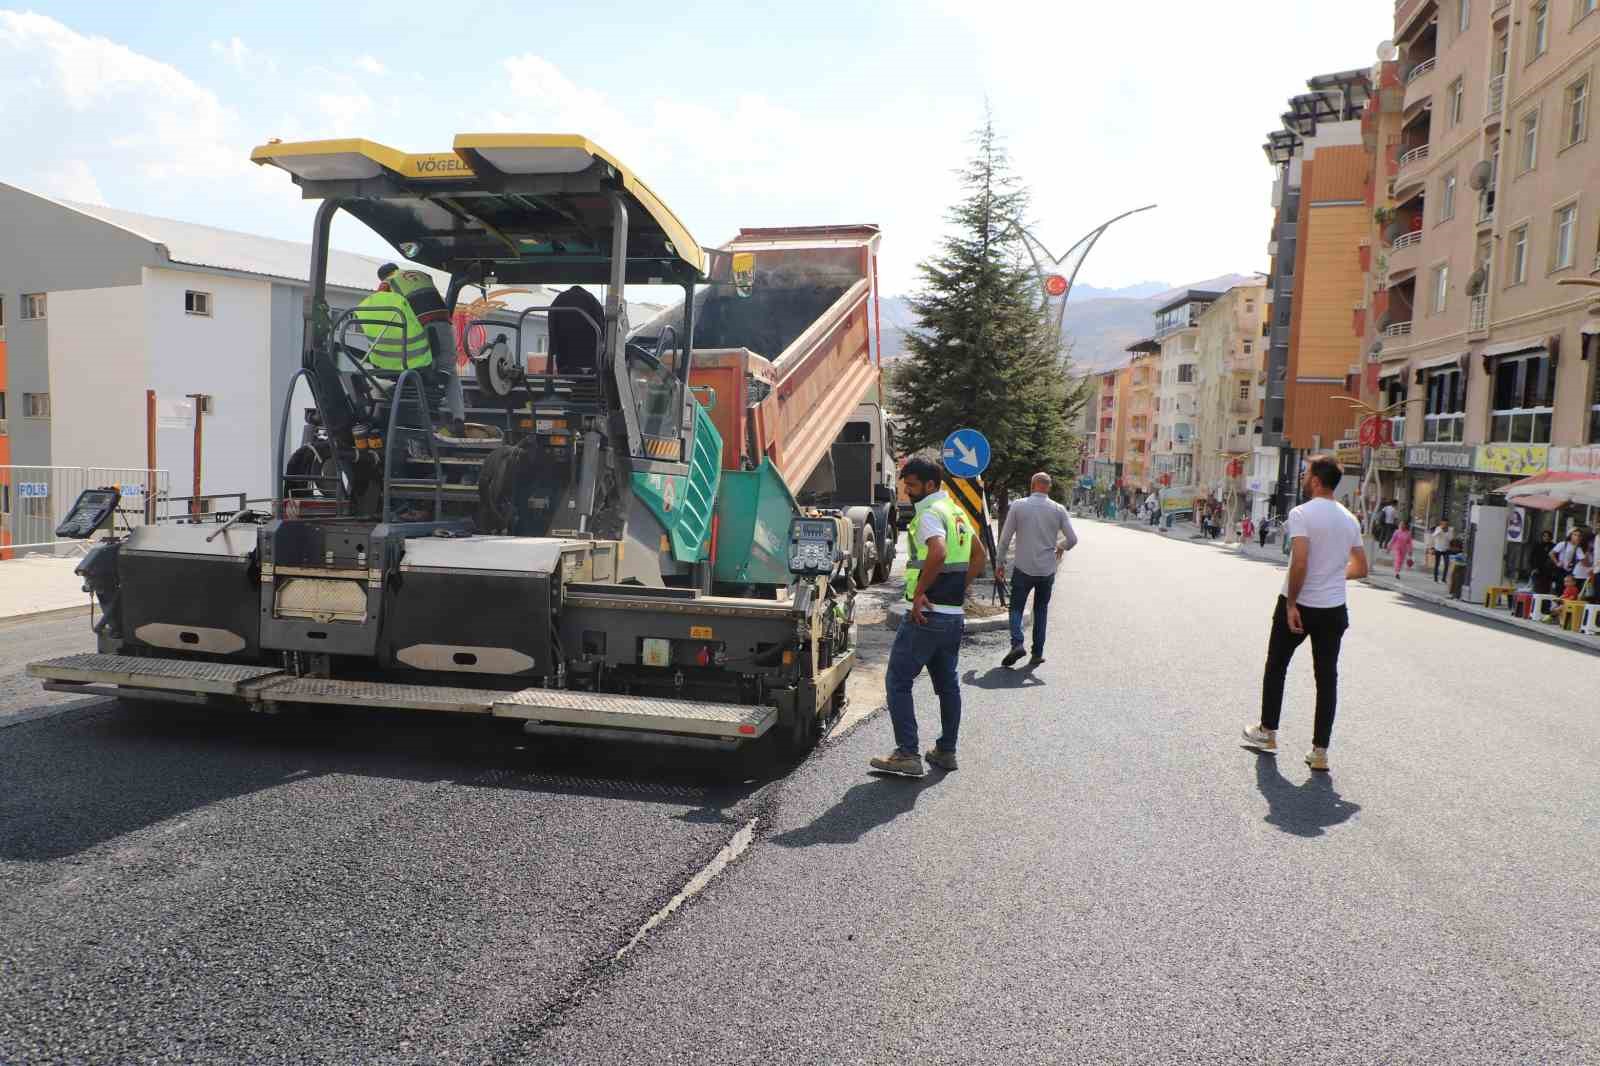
column 1041, row 587
column 935, row 644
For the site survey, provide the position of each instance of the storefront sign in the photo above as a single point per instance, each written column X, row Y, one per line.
column 1441, row 456
column 1576, row 460
column 1389, row 459
column 1347, row 454
column 1516, row 523
column 1512, row 460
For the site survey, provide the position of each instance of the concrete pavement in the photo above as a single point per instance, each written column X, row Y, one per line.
column 39, row 584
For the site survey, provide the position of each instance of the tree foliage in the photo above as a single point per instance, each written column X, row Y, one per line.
column 984, row 355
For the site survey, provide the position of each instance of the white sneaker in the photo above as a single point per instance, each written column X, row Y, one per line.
column 1263, row 740
column 1317, row 759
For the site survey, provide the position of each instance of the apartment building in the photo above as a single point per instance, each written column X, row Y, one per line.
column 1231, row 358
column 1320, row 248
column 1143, row 372
column 1491, row 158
column 1111, row 428
column 1177, row 398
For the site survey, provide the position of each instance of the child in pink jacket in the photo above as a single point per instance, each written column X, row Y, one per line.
column 1400, row 545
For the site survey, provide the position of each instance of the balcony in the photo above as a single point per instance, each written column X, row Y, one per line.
column 1478, row 313
column 1416, row 155
column 1398, row 329
column 1497, row 96
column 1422, row 69
column 1486, row 207
column 1407, row 240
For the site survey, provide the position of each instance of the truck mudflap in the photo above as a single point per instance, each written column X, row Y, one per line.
column 264, row 687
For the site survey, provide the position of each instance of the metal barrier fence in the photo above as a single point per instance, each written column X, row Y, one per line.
column 34, row 500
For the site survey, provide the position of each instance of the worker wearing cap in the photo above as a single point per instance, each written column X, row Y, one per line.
column 945, row 555
column 408, row 326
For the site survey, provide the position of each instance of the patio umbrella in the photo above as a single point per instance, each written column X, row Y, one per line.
column 1562, row 485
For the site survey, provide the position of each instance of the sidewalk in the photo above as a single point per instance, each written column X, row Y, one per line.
column 39, row 584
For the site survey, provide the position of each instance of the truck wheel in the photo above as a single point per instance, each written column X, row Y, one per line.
column 867, row 561
column 885, row 563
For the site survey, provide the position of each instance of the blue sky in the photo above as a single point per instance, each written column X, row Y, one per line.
column 736, row 113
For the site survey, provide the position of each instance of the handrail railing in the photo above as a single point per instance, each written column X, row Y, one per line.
column 1407, row 239
column 393, row 445
column 1398, row 329
column 314, row 482
column 1497, row 95
column 1423, row 68
column 1416, row 155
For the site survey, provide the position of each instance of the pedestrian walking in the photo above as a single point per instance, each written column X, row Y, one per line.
column 1327, row 552
column 1390, row 523
column 946, row 553
column 1247, row 530
column 1439, row 540
column 1583, row 567
column 1266, row 525
column 1043, row 532
column 1400, row 545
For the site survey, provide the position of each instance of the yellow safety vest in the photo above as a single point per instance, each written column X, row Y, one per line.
column 399, row 342
column 421, row 293
column 949, row 589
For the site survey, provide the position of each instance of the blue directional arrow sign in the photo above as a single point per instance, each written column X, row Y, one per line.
column 966, row 453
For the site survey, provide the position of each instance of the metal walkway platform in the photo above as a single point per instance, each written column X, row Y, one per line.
column 266, row 686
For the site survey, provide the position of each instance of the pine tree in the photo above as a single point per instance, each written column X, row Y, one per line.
column 984, row 355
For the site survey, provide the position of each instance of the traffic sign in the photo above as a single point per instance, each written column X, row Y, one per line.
column 966, row 453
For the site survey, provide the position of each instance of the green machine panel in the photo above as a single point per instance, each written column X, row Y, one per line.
column 754, row 509
column 684, row 503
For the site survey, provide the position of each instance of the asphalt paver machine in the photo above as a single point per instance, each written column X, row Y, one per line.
column 590, row 566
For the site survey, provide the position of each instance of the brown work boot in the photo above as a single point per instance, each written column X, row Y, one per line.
column 908, row 763
column 944, row 760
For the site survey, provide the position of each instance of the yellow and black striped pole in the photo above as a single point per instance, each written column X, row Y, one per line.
column 968, row 494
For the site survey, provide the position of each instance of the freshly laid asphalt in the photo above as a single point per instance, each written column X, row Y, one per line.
column 1109, row 878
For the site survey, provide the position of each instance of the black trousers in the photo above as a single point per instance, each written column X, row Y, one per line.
column 1325, row 627
column 1441, row 561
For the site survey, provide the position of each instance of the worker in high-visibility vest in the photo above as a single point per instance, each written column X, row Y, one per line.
column 946, row 553
column 408, row 326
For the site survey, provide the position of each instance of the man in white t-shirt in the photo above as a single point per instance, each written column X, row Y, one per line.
column 1326, row 552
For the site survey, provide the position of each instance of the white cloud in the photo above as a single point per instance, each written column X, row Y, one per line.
column 72, row 179
column 233, row 51
column 343, row 112
column 370, row 64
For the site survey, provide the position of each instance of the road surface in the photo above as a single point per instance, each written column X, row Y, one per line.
column 1109, row 878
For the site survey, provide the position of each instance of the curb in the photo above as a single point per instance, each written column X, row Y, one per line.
column 1504, row 621
column 49, row 615
column 994, row 624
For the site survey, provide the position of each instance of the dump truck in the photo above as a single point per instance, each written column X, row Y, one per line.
column 645, row 544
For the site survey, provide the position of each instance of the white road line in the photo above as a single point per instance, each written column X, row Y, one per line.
column 730, row 851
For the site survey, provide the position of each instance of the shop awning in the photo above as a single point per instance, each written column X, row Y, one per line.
column 1439, row 360
column 1526, row 344
column 1564, row 486
column 1540, row 503
column 1590, row 328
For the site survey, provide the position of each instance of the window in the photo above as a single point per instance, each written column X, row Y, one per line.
column 1594, row 390
column 1539, row 31
column 1392, row 393
column 1249, row 347
column 1584, row 7
column 1447, row 199
column 1249, row 307
column 1577, row 125
column 197, row 303
column 32, row 305
column 36, row 405
column 1517, row 261
column 1445, row 416
column 1566, row 237
column 1458, row 101
column 1522, row 403
column 1244, row 389
column 1241, row 429
column 1463, row 15
column 2, row 407
column 1186, row 374
column 1530, row 140
column 1440, row 287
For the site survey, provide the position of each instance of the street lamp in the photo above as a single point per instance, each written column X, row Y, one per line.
column 1054, row 273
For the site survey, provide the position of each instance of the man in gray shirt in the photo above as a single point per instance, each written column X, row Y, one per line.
column 1043, row 530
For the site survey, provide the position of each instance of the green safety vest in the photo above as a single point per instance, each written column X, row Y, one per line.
column 399, row 341
column 420, row 293
column 949, row 589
